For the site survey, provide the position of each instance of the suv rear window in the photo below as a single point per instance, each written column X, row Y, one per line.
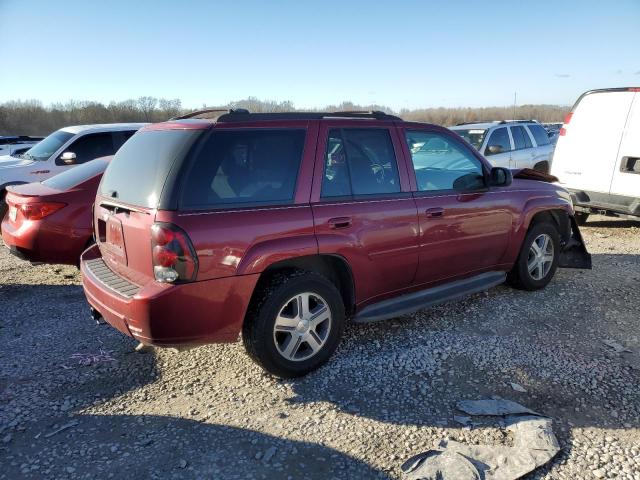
column 137, row 173
column 76, row 175
column 244, row 167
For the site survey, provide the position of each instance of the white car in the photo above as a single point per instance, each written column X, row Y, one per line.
column 63, row 149
column 17, row 144
column 597, row 157
column 514, row 144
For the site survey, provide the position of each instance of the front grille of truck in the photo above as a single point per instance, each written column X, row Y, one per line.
column 111, row 280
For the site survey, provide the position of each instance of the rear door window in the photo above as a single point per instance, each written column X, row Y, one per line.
column 75, row 176
column 90, row 147
column 243, row 168
column 138, row 172
column 499, row 137
column 539, row 134
column 521, row 138
column 359, row 161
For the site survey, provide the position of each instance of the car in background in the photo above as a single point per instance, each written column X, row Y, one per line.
column 597, row 157
column 50, row 221
column 553, row 130
column 284, row 225
column 514, row 144
column 62, row 150
column 15, row 145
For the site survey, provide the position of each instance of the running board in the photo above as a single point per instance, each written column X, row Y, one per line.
column 415, row 301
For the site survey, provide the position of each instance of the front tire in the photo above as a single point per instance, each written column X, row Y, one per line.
column 294, row 324
column 538, row 258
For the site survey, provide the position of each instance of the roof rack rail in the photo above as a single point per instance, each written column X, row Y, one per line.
column 242, row 114
column 518, row 121
column 204, row 113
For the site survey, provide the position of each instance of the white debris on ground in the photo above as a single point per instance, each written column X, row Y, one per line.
column 534, row 444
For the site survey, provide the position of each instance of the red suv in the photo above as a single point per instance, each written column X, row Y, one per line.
column 283, row 226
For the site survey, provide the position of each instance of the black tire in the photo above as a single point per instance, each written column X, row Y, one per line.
column 3, row 205
column 273, row 295
column 520, row 277
column 542, row 167
column 581, row 218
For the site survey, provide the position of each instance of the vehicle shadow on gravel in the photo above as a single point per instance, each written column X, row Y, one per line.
column 413, row 370
column 140, row 446
column 611, row 223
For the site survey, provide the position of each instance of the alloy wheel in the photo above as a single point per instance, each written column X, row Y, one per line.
column 540, row 258
column 302, row 326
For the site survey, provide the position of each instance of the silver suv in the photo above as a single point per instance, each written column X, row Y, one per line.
column 510, row 143
column 63, row 149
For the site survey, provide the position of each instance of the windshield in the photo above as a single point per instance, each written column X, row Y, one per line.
column 48, row 146
column 75, row 176
column 475, row 136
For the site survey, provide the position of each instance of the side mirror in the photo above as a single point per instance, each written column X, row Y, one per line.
column 68, row 158
column 494, row 149
column 500, row 177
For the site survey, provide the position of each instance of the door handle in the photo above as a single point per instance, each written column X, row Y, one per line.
column 434, row 212
column 340, row 222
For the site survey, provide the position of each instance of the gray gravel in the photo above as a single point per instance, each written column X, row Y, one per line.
column 77, row 402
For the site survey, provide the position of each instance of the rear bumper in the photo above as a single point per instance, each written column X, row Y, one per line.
column 210, row 311
column 36, row 242
column 596, row 201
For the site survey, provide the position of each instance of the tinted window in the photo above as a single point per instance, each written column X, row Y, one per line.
column 137, row 173
column 359, row 161
column 120, row 137
column 540, row 134
column 520, row 138
column 499, row 137
column 92, row 146
column 443, row 164
column 48, row 146
column 77, row 175
column 475, row 136
column 244, row 167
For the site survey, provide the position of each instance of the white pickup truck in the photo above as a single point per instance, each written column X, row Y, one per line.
column 63, row 149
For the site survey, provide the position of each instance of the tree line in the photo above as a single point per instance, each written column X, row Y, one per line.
column 32, row 117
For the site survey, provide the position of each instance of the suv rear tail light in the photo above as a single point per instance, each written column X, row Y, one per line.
column 174, row 258
column 567, row 119
column 39, row 210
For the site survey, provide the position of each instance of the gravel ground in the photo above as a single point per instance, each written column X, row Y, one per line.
column 77, row 402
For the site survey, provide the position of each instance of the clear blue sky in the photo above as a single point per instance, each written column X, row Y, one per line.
column 413, row 53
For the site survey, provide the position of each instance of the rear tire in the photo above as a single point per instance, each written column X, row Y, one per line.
column 542, row 167
column 294, row 323
column 538, row 258
column 581, row 218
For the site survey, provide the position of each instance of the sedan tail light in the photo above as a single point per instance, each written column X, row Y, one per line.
column 174, row 258
column 567, row 119
column 39, row 210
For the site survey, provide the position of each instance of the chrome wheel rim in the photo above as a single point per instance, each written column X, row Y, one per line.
column 302, row 327
column 540, row 257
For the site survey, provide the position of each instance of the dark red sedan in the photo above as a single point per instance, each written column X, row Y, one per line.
column 50, row 222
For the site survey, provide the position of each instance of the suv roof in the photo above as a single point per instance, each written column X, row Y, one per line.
column 243, row 115
column 103, row 127
column 490, row 124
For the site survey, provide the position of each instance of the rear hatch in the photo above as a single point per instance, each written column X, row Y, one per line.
column 130, row 193
column 586, row 154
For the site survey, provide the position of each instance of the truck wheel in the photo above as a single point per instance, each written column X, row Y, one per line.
column 538, row 258
column 581, row 218
column 294, row 324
